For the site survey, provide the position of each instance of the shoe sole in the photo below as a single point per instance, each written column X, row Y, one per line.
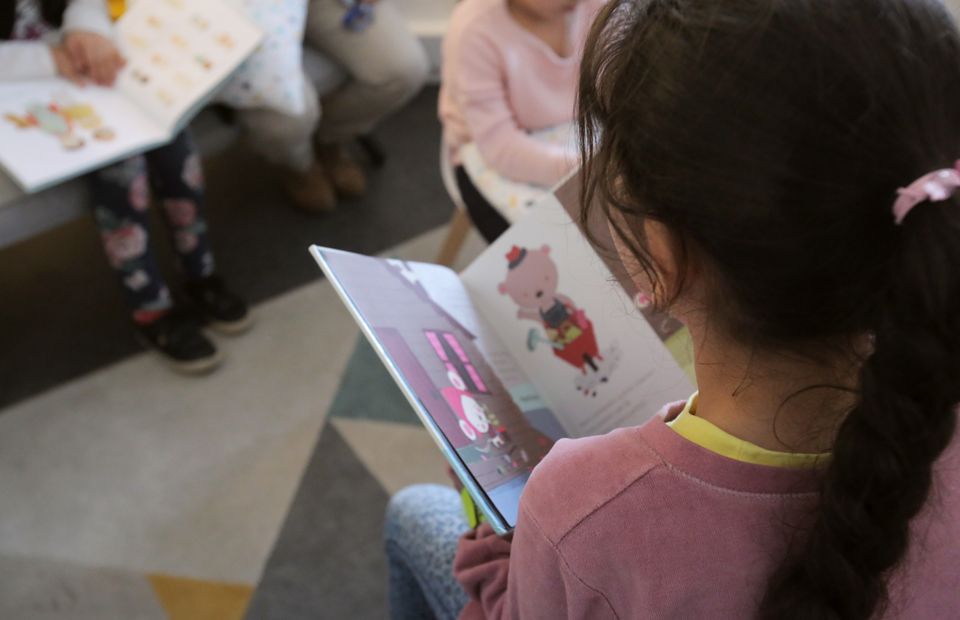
column 193, row 367
column 233, row 328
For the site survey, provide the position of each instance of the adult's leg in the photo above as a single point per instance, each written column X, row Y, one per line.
column 286, row 142
column 386, row 62
column 483, row 215
column 423, row 525
column 283, row 139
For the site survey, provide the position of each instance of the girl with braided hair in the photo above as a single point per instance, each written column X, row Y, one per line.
column 782, row 176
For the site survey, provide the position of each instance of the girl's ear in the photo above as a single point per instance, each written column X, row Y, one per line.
column 662, row 245
column 662, row 248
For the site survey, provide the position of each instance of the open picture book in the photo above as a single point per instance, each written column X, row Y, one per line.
column 540, row 338
column 178, row 52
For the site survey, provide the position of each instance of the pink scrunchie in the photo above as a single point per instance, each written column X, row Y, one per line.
column 935, row 186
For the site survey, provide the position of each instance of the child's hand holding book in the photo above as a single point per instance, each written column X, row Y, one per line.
column 91, row 56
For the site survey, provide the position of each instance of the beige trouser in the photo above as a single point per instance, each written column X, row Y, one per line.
column 386, row 65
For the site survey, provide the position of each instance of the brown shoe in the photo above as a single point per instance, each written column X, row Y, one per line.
column 309, row 191
column 344, row 173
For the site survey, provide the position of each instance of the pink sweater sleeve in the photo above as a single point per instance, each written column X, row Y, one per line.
column 483, row 100
column 523, row 577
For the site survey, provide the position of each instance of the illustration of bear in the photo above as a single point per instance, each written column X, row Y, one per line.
column 532, row 282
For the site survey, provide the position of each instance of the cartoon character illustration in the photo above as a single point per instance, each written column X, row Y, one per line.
column 226, row 41
column 104, row 134
column 183, row 80
column 137, row 41
column 164, row 97
column 203, row 61
column 179, row 41
column 532, row 281
column 82, row 113
column 140, row 76
column 483, row 428
column 473, row 420
column 61, row 118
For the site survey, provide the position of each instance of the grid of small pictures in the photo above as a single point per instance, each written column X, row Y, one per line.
column 177, row 50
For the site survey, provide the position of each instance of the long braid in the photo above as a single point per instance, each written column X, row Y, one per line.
column 880, row 475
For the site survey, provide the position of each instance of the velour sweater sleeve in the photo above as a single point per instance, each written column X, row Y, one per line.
column 525, row 578
column 88, row 15
column 483, row 100
column 21, row 60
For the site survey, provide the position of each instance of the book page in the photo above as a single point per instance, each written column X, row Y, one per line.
column 422, row 318
column 563, row 317
column 179, row 51
column 51, row 130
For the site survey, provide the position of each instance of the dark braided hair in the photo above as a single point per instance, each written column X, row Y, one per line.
column 770, row 136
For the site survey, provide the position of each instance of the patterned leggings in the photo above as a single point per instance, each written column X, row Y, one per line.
column 121, row 198
column 424, row 523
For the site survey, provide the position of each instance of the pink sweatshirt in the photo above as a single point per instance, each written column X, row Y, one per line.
column 499, row 81
column 644, row 524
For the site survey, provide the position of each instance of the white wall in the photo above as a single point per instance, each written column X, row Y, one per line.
column 428, row 20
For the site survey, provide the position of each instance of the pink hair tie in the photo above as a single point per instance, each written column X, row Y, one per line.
column 935, row 186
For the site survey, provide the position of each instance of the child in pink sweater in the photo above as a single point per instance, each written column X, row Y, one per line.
column 782, row 177
column 511, row 67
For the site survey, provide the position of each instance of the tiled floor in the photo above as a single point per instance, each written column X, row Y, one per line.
column 134, row 493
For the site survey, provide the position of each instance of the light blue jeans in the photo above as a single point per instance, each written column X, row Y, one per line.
column 424, row 523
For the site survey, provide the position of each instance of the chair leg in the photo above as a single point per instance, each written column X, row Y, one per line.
column 460, row 225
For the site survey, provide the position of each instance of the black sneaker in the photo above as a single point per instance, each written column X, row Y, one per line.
column 180, row 343
column 223, row 310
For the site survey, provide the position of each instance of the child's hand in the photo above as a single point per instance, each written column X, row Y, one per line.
column 95, row 55
column 66, row 65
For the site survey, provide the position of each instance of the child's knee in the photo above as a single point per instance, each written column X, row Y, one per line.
column 411, row 502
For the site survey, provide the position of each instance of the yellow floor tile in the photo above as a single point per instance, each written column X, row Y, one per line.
column 193, row 599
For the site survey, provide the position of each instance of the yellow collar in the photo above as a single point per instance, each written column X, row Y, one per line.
column 706, row 435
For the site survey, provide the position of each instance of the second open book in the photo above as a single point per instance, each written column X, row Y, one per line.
column 538, row 339
column 178, row 52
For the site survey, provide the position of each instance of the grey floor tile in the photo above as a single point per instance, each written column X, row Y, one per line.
column 328, row 561
column 367, row 391
column 36, row 589
column 140, row 468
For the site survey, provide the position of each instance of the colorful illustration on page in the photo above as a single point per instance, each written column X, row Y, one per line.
column 439, row 359
column 65, row 119
column 532, row 282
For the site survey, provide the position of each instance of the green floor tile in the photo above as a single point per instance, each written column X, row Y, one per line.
column 368, row 392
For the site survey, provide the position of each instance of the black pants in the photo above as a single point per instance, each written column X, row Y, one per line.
column 484, row 216
column 121, row 198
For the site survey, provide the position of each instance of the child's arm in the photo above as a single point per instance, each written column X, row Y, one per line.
column 522, row 577
column 482, row 96
column 20, row 60
column 24, row 60
column 88, row 16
